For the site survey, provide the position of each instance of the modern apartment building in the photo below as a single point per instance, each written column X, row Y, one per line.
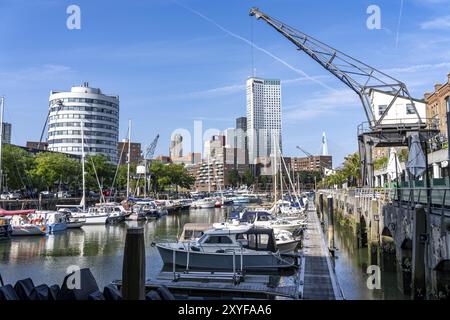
column 263, row 118
column 88, row 109
column 6, row 134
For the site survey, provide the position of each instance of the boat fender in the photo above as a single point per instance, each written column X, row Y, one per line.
column 196, row 249
column 164, row 293
column 153, row 295
column 153, row 244
column 24, row 288
column 220, row 251
column 7, row 293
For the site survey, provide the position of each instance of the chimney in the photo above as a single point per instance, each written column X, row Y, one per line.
column 437, row 86
column 427, row 95
column 448, row 77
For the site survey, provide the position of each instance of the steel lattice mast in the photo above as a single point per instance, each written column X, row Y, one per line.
column 358, row 76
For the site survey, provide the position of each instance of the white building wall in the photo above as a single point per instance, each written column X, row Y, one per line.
column 87, row 107
column 400, row 112
column 263, row 117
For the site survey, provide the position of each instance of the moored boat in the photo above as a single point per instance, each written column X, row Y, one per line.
column 241, row 247
column 5, row 228
column 204, row 203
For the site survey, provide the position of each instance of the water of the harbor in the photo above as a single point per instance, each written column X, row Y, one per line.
column 100, row 248
column 351, row 266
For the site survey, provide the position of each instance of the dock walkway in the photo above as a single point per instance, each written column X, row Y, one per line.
column 317, row 279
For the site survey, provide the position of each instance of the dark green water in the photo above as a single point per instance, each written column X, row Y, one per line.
column 351, row 269
column 100, row 248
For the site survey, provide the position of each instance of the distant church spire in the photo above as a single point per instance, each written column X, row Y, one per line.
column 324, row 145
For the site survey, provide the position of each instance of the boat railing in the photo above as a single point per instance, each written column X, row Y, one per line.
column 236, row 276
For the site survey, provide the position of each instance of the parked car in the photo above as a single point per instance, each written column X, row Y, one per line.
column 47, row 194
column 64, row 194
column 93, row 194
column 10, row 196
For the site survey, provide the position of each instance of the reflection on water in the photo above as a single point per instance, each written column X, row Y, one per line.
column 100, row 248
column 351, row 267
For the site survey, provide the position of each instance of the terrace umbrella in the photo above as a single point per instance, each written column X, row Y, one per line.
column 393, row 167
column 416, row 164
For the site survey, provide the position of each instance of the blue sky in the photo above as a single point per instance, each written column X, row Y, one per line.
column 173, row 62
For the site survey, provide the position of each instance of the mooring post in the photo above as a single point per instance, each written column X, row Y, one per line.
column 418, row 253
column 321, row 207
column 330, row 225
column 133, row 272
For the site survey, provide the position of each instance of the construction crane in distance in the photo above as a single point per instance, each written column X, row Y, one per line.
column 148, row 157
column 150, row 151
column 323, row 164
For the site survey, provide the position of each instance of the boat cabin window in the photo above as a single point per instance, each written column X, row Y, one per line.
column 263, row 241
column 218, row 239
column 263, row 217
column 259, row 241
column 192, row 234
column 249, row 217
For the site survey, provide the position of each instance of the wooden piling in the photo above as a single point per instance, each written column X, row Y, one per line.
column 133, row 272
column 321, row 207
column 330, row 225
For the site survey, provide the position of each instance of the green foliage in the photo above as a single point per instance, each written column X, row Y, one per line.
column 166, row 175
column 349, row 173
column 53, row 169
column 233, row 178
column 403, row 155
column 248, row 178
column 104, row 168
column 16, row 163
column 381, row 163
column 309, row 177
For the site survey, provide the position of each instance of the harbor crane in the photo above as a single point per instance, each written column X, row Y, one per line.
column 364, row 80
column 148, row 157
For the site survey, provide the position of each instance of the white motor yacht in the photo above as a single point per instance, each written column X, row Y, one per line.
column 241, row 247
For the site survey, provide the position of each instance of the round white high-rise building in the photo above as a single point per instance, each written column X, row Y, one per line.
column 83, row 107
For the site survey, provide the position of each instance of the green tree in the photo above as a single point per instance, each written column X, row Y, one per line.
column 381, row 163
column 105, row 170
column 16, row 165
column 248, row 178
column 352, row 169
column 233, row 178
column 53, row 169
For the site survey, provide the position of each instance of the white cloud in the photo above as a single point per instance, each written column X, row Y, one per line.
column 436, row 23
column 36, row 74
column 322, row 103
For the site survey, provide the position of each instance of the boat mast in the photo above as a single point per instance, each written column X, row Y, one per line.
column 281, row 178
column 128, row 159
column 275, row 176
column 2, row 101
column 83, row 199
